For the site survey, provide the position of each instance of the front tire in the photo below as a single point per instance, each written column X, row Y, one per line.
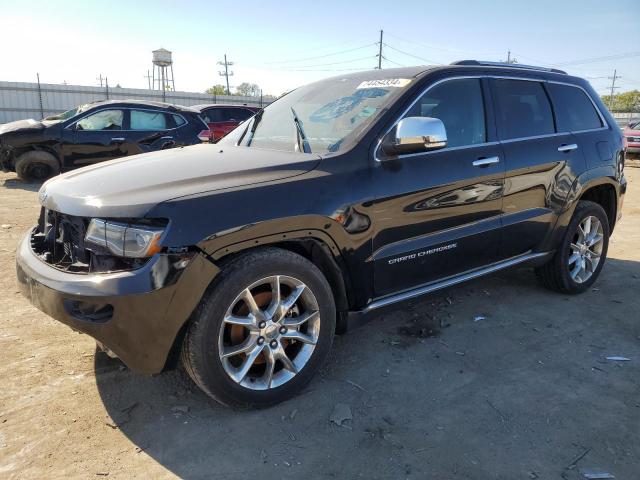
column 582, row 253
column 262, row 330
column 36, row 165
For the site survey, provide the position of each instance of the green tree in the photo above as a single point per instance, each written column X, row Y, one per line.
column 216, row 90
column 623, row 102
column 248, row 89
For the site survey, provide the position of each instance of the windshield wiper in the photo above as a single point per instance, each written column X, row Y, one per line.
column 303, row 143
column 256, row 120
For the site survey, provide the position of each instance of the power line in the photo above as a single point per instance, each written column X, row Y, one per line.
column 391, row 61
column 439, row 47
column 598, row 59
column 327, row 70
column 332, row 63
column 412, row 55
column 322, row 56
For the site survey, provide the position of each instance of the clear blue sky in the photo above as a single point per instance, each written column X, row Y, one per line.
column 75, row 41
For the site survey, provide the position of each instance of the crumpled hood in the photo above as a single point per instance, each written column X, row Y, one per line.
column 19, row 125
column 130, row 186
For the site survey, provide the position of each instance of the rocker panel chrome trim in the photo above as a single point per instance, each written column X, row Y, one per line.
column 432, row 287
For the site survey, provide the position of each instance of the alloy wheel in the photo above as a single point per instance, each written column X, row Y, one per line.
column 269, row 332
column 586, row 249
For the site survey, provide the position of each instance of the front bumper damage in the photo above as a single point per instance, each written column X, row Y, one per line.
column 135, row 314
column 6, row 157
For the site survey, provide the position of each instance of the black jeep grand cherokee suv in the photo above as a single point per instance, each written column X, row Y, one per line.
column 343, row 197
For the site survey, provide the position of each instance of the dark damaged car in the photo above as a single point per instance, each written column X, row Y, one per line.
column 342, row 198
column 93, row 133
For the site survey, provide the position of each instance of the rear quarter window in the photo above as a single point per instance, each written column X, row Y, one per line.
column 574, row 110
column 524, row 109
column 178, row 120
column 148, row 120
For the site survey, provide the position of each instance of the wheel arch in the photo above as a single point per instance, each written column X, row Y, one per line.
column 38, row 148
column 601, row 187
column 597, row 185
column 317, row 247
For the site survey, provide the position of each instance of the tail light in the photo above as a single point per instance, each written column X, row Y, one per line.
column 205, row 135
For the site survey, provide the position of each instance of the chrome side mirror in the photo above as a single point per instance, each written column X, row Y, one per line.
column 414, row 135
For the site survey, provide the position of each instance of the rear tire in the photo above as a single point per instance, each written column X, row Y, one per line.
column 262, row 332
column 576, row 264
column 36, row 165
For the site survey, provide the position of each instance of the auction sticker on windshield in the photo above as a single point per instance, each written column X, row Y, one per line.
column 389, row 82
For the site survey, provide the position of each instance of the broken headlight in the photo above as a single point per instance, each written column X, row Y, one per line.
column 123, row 240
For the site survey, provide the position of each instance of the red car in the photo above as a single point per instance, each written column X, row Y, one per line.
column 632, row 136
column 222, row 119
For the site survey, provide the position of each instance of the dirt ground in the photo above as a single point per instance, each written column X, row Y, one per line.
column 525, row 393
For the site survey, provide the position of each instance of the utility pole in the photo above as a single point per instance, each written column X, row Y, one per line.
column 613, row 86
column 148, row 77
column 380, row 52
column 226, row 72
column 509, row 59
column 40, row 96
column 100, row 78
column 106, row 86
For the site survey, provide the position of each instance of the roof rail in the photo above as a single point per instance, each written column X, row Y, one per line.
column 509, row 65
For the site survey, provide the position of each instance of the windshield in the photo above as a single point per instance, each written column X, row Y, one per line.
column 68, row 114
column 328, row 113
column 63, row 116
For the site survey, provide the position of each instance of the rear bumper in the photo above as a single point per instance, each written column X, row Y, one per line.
column 633, row 148
column 137, row 314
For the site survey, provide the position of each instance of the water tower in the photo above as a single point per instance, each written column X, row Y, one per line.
column 163, row 70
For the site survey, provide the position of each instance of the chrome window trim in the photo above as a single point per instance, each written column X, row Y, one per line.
column 535, row 137
column 500, row 77
column 186, row 122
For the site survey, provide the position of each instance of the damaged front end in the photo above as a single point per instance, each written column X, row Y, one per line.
column 6, row 157
column 59, row 240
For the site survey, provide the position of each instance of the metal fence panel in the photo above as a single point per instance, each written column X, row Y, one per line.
column 21, row 100
column 623, row 118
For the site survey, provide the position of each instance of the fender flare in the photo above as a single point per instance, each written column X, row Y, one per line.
column 589, row 179
column 336, row 269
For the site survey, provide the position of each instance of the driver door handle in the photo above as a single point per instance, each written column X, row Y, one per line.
column 485, row 162
column 117, row 140
column 567, row 147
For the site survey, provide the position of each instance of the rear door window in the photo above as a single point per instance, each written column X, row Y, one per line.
column 523, row 109
column 460, row 106
column 574, row 110
column 240, row 114
column 213, row 115
column 148, row 120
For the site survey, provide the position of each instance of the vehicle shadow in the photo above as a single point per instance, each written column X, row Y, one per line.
column 172, row 421
column 16, row 183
